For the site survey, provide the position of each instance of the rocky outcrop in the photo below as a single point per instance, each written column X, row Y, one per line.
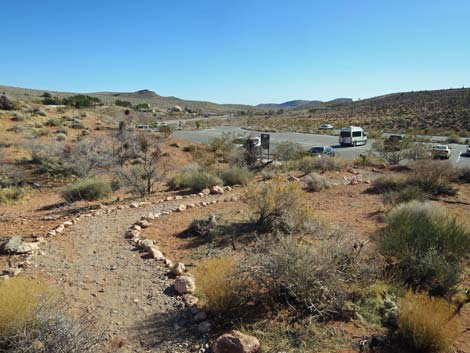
column 236, row 342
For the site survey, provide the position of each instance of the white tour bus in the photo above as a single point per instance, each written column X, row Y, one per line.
column 352, row 136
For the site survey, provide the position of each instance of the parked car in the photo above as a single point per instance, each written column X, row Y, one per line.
column 352, row 136
column 326, row 127
column 321, row 151
column 441, row 151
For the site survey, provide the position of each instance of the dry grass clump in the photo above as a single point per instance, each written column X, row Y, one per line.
column 310, row 164
column 315, row 182
column 279, row 206
column 217, row 283
column 33, row 319
column 427, row 324
column 194, row 178
column 235, row 175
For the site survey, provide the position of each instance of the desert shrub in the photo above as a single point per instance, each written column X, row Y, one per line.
column 11, row 194
column 268, row 173
column 50, row 159
column 165, row 131
column 81, row 101
column 429, row 246
column 319, row 278
column 222, row 145
column 53, row 122
column 433, row 177
column 32, row 317
column 60, row 137
column 453, row 138
column 217, row 283
column 18, row 117
column 407, row 194
column 369, row 160
column 310, row 164
column 6, row 103
column 286, row 151
column 243, row 158
column 279, row 206
column 77, row 125
column 426, row 324
column 235, row 175
column 463, row 174
column 386, row 183
column 194, row 178
column 315, row 182
column 90, row 189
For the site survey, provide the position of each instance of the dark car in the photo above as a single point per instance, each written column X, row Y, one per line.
column 321, row 151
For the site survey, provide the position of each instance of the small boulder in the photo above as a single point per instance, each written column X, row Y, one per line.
column 144, row 223
column 236, row 342
column 206, row 191
column 178, row 269
column 155, row 253
column 147, row 244
column 181, row 208
column 185, row 284
column 12, row 245
column 217, row 190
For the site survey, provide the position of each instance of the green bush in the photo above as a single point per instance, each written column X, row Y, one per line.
column 315, row 182
column 90, row 189
column 429, row 246
column 10, row 194
column 287, row 151
column 235, row 176
column 81, row 101
column 194, row 178
column 407, row 194
column 386, row 183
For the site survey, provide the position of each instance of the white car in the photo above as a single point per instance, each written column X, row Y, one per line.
column 441, row 151
column 326, row 127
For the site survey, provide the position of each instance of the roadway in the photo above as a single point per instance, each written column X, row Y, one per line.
column 307, row 141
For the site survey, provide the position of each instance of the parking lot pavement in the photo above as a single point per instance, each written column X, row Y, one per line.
column 305, row 140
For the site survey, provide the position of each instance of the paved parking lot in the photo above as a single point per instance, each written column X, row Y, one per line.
column 458, row 158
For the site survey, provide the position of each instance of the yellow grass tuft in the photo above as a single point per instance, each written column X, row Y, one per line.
column 427, row 324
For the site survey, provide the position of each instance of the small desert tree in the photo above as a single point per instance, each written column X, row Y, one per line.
column 140, row 162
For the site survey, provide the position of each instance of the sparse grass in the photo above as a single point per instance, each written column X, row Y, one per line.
column 90, row 189
column 433, row 177
column 310, row 164
column 407, row 194
column 427, row 324
column 386, row 183
column 463, row 174
column 217, row 283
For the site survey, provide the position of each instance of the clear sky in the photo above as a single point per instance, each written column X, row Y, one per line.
column 237, row 51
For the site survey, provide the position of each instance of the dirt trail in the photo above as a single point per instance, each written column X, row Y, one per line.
column 128, row 294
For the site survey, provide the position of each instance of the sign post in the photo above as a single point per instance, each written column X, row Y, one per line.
column 265, row 142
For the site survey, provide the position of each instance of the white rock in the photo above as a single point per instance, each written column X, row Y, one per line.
column 217, row 190
column 178, row 269
column 181, row 208
column 185, row 284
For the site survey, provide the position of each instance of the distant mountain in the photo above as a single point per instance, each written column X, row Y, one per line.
column 299, row 104
column 142, row 96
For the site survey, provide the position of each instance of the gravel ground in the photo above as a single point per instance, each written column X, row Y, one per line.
column 129, row 295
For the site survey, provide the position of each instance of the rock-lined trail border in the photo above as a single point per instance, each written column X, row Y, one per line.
column 125, row 283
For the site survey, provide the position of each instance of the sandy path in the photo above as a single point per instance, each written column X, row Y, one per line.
column 129, row 295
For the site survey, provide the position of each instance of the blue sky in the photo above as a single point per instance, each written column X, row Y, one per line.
column 238, row 51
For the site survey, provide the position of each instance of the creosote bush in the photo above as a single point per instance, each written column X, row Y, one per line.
column 235, row 176
column 217, row 283
column 315, row 182
column 429, row 246
column 90, row 189
column 279, row 206
column 427, row 324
